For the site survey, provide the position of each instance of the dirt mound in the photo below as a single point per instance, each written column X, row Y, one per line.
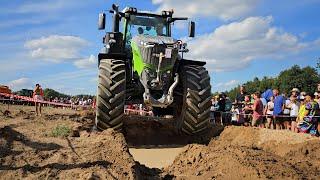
column 250, row 153
column 29, row 150
column 101, row 155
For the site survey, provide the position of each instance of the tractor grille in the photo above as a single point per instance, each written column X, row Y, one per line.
column 151, row 47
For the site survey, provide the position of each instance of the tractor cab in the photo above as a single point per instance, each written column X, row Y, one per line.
column 144, row 25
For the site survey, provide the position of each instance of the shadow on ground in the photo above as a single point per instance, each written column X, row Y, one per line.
column 8, row 136
column 147, row 132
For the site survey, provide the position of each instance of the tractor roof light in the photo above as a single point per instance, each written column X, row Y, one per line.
column 130, row 10
column 166, row 13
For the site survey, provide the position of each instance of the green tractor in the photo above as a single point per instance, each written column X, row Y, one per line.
column 143, row 64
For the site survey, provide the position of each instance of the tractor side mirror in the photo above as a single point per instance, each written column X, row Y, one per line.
column 102, row 21
column 192, row 28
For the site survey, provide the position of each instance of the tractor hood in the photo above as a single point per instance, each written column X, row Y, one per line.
column 147, row 49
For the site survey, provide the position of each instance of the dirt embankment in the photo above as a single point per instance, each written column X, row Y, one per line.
column 250, row 153
column 30, row 147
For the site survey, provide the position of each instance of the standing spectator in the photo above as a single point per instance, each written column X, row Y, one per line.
column 286, row 113
column 269, row 112
column 257, row 108
column 241, row 95
column 278, row 109
column 221, row 106
column 215, row 108
column 318, row 87
column 38, row 97
column 246, row 109
column 227, row 116
column 237, row 117
column 294, row 111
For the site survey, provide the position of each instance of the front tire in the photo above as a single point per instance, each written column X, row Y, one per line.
column 111, row 94
column 193, row 96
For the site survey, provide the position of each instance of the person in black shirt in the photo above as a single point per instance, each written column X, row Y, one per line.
column 241, row 95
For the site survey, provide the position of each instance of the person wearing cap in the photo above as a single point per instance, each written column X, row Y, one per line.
column 38, row 98
column 301, row 113
column 294, row 111
column 295, row 91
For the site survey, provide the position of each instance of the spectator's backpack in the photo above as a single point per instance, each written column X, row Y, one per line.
column 228, row 105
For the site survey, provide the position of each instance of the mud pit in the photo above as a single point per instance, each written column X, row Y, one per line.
column 28, row 150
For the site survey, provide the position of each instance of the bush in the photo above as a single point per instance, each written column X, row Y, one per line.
column 61, row 131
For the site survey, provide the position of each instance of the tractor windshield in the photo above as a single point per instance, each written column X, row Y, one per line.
column 153, row 26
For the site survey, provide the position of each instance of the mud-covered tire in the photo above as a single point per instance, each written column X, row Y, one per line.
column 193, row 96
column 111, row 94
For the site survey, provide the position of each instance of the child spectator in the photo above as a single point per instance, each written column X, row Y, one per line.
column 269, row 112
column 246, row 108
column 237, row 117
column 308, row 125
column 294, row 111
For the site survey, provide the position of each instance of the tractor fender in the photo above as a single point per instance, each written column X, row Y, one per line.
column 105, row 55
column 184, row 62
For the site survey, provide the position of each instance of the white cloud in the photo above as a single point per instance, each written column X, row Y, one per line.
column 20, row 83
column 224, row 9
column 56, row 48
column 235, row 45
column 47, row 6
column 86, row 62
column 227, row 84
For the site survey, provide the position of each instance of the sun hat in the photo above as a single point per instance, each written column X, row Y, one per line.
column 303, row 93
column 295, row 90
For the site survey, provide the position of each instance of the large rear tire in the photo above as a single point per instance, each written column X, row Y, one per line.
column 111, row 94
column 193, row 99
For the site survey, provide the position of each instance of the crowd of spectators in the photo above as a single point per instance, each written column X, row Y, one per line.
column 74, row 102
column 298, row 111
column 138, row 109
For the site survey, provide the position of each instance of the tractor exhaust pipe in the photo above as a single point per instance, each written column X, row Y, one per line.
column 116, row 18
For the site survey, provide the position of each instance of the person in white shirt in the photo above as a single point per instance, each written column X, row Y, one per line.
column 294, row 111
column 268, row 111
column 286, row 113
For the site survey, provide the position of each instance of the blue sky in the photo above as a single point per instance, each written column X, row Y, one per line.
column 55, row 43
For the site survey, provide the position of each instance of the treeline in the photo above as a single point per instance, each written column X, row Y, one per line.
column 51, row 93
column 306, row 79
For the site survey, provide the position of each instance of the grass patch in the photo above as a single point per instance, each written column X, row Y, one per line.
column 60, row 131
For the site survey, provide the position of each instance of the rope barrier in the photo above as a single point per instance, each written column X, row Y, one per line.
column 29, row 99
column 260, row 115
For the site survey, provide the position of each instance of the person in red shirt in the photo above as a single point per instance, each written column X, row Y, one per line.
column 257, row 108
column 38, row 98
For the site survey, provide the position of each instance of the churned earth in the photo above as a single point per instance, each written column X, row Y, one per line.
column 62, row 144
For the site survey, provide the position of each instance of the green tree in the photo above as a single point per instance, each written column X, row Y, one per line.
column 48, row 93
column 306, row 79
